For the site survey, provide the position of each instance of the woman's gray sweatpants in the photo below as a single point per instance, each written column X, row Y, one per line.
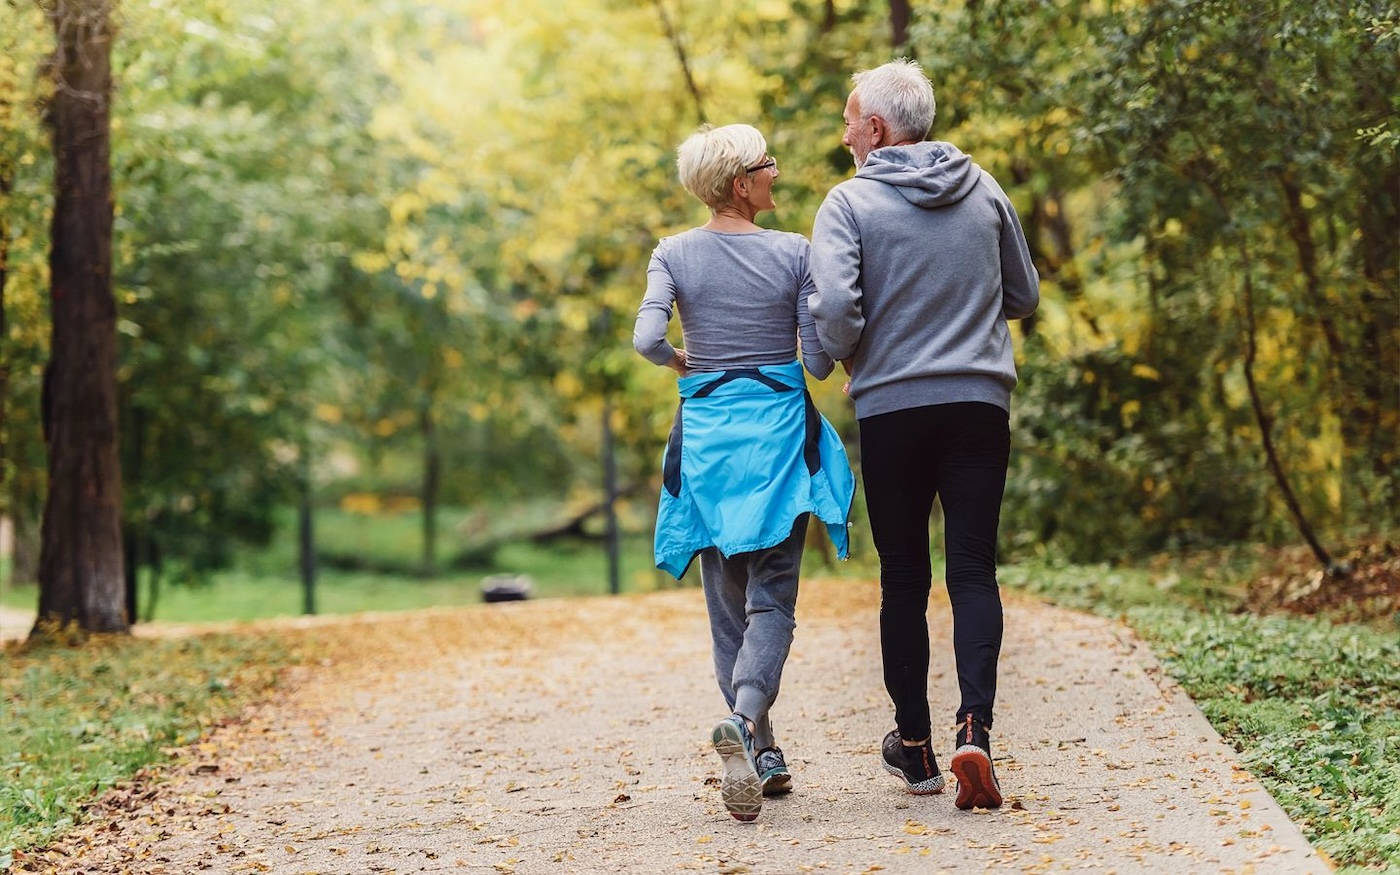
column 751, row 599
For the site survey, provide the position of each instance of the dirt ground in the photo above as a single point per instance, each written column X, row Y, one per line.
column 571, row 736
column 1294, row 582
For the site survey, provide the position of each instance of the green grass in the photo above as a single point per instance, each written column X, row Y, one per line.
column 76, row 720
column 1312, row 707
column 265, row 583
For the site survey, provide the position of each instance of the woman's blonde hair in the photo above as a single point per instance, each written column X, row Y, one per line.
column 712, row 158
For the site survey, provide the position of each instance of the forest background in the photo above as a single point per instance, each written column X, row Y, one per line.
column 370, row 256
column 374, row 269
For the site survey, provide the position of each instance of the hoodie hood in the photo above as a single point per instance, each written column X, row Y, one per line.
column 928, row 174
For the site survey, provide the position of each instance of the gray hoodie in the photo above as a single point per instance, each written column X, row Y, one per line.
column 919, row 261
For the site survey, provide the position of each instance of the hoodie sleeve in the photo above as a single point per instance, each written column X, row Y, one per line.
column 836, row 259
column 1020, row 284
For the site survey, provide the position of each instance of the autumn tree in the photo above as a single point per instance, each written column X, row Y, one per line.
column 80, row 566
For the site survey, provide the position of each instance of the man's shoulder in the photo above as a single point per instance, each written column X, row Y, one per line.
column 858, row 188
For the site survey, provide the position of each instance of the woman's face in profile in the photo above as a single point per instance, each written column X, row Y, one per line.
column 760, row 189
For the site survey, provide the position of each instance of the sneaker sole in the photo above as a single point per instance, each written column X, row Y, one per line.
column 740, row 788
column 918, row 788
column 977, row 783
column 776, row 784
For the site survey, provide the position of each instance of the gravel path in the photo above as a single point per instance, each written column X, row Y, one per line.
column 571, row 736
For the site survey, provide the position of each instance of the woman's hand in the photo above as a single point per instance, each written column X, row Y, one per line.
column 678, row 364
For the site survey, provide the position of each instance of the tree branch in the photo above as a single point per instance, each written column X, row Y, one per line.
column 675, row 41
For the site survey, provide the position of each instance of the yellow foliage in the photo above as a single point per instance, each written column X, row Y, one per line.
column 365, row 503
column 370, row 262
column 575, row 317
column 568, row 385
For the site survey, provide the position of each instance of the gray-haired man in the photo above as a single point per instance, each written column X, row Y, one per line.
column 919, row 261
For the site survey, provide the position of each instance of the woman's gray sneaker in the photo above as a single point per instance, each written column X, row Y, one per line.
column 740, row 787
column 773, row 771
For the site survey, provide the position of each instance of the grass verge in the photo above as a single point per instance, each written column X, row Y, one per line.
column 1313, row 707
column 76, row 720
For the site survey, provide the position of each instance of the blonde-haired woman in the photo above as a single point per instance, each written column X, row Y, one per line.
column 749, row 458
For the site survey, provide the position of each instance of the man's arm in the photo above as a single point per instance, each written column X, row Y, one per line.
column 1020, row 284
column 836, row 259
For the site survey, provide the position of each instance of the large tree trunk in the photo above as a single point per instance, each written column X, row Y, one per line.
column 6, row 178
column 81, row 576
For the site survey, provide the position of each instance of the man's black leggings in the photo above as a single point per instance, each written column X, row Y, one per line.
column 958, row 453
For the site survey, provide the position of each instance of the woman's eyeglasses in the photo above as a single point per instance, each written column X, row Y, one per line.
column 771, row 162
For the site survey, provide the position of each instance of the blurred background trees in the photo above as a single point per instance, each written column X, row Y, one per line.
column 387, row 254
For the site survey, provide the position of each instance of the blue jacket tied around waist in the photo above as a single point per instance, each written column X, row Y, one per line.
column 747, row 455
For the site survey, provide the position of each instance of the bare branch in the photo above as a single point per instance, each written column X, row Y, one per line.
column 675, row 41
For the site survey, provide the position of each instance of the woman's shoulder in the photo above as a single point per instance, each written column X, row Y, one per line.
column 789, row 240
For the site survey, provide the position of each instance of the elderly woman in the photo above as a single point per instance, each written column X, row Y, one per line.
column 749, row 457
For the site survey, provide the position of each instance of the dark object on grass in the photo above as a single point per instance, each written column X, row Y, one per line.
column 507, row 587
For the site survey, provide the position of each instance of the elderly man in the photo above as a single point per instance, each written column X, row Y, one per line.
column 918, row 262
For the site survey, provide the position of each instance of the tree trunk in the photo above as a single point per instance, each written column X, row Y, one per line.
column 614, row 540
column 432, row 479
column 899, row 23
column 135, row 534
column 81, row 577
column 306, row 535
column 6, row 183
column 1265, row 422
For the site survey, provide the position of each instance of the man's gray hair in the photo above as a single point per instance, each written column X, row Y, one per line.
column 712, row 158
column 899, row 93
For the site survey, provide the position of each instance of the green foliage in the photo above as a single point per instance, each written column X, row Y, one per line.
column 25, row 202
column 1255, row 239
column 1141, row 145
column 351, row 246
column 239, row 202
column 1314, row 710
column 75, row 721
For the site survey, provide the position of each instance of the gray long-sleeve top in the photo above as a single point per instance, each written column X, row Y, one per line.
column 919, row 261
column 742, row 298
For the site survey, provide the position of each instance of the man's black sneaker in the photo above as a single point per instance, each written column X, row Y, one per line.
column 916, row 766
column 773, row 771
column 972, row 766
